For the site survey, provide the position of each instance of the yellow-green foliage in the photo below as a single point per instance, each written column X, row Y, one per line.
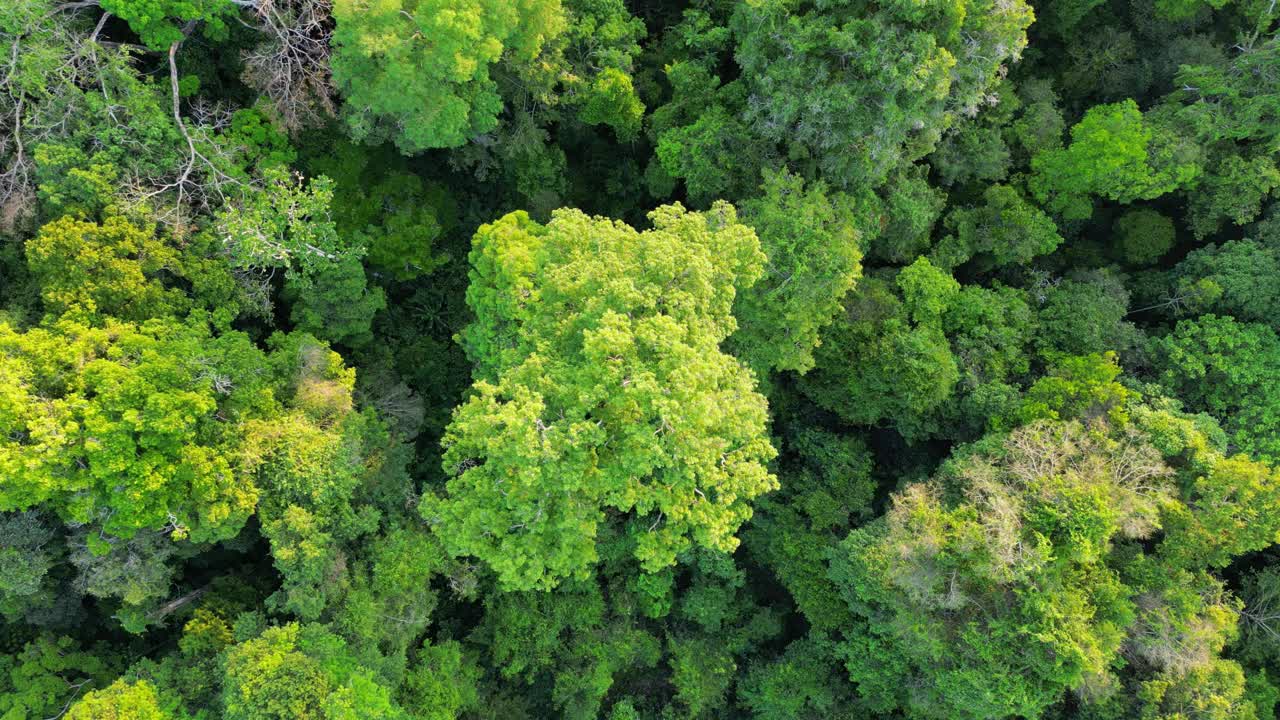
column 600, row 388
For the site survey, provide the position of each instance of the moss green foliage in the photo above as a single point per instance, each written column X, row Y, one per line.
column 379, row 205
column 907, row 217
column 700, row 137
column 1227, row 279
column 28, row 557
column 1083, row 315
column 45, row 675
column 336, row 304
column 639, row 360
column 1232, row 100
column 1145, row 235
column 1005, row 228
column 887, row 357
column 813, row 246
column 854, row 90
column 1234, row 191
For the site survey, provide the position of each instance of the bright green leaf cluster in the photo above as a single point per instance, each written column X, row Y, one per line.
column 601, row 389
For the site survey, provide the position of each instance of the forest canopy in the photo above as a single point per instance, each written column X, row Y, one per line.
column 639, row 359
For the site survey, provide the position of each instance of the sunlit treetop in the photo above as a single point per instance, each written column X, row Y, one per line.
column 419, row 72
column 601, row 392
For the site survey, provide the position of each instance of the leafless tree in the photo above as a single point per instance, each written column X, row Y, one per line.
column 290, row 67
column 1165, row 639
column 1261, row 614
column 398, row 403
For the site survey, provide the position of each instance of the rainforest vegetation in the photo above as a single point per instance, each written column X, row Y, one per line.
column 639, row 359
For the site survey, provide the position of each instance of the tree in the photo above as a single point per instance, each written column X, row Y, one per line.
column 989, row 330
column 1082, row 387
column 163, row 432
column 826, row 491
column 108, row 269
column 1214, row 691
column 284, row 224
column 802, row 684
column 1234, row 189
column 27, row 555
column 290, row 68
column 927, row 291
column 158, row 22
column 1115, row 153
column 108, row 134
column 1145, row 236
column 420, row 94
column 1260, row 617
column 974, row 149
column 1083, row 315
column 119, row 701
column 600, row 45
column 904, row 217
column 987, row 592
column 381, row 206
column 1040, row 124
column 1226, row 514
column 128, row 436
column 699, row 138
column 312, row 460
column 441, row 683
column 136, row 574
column 301, row 672
column 886, row 358
column 1235, row 271
column 336, row 303
column 1104, row 65
column 613, row 102
column 45, row 677
column 571, row 637
column 25, row 123
column 391, row 601
column 1213, row 102
column 812, row 244
column 1185, row 620
column 1064, row 15
column 1005, row 230
column 854, row 93
column 600, row 388
column 1227, row 369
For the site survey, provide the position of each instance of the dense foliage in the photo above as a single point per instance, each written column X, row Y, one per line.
column 639, row 359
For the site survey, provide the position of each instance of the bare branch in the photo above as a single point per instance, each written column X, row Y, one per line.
column 291, row 66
